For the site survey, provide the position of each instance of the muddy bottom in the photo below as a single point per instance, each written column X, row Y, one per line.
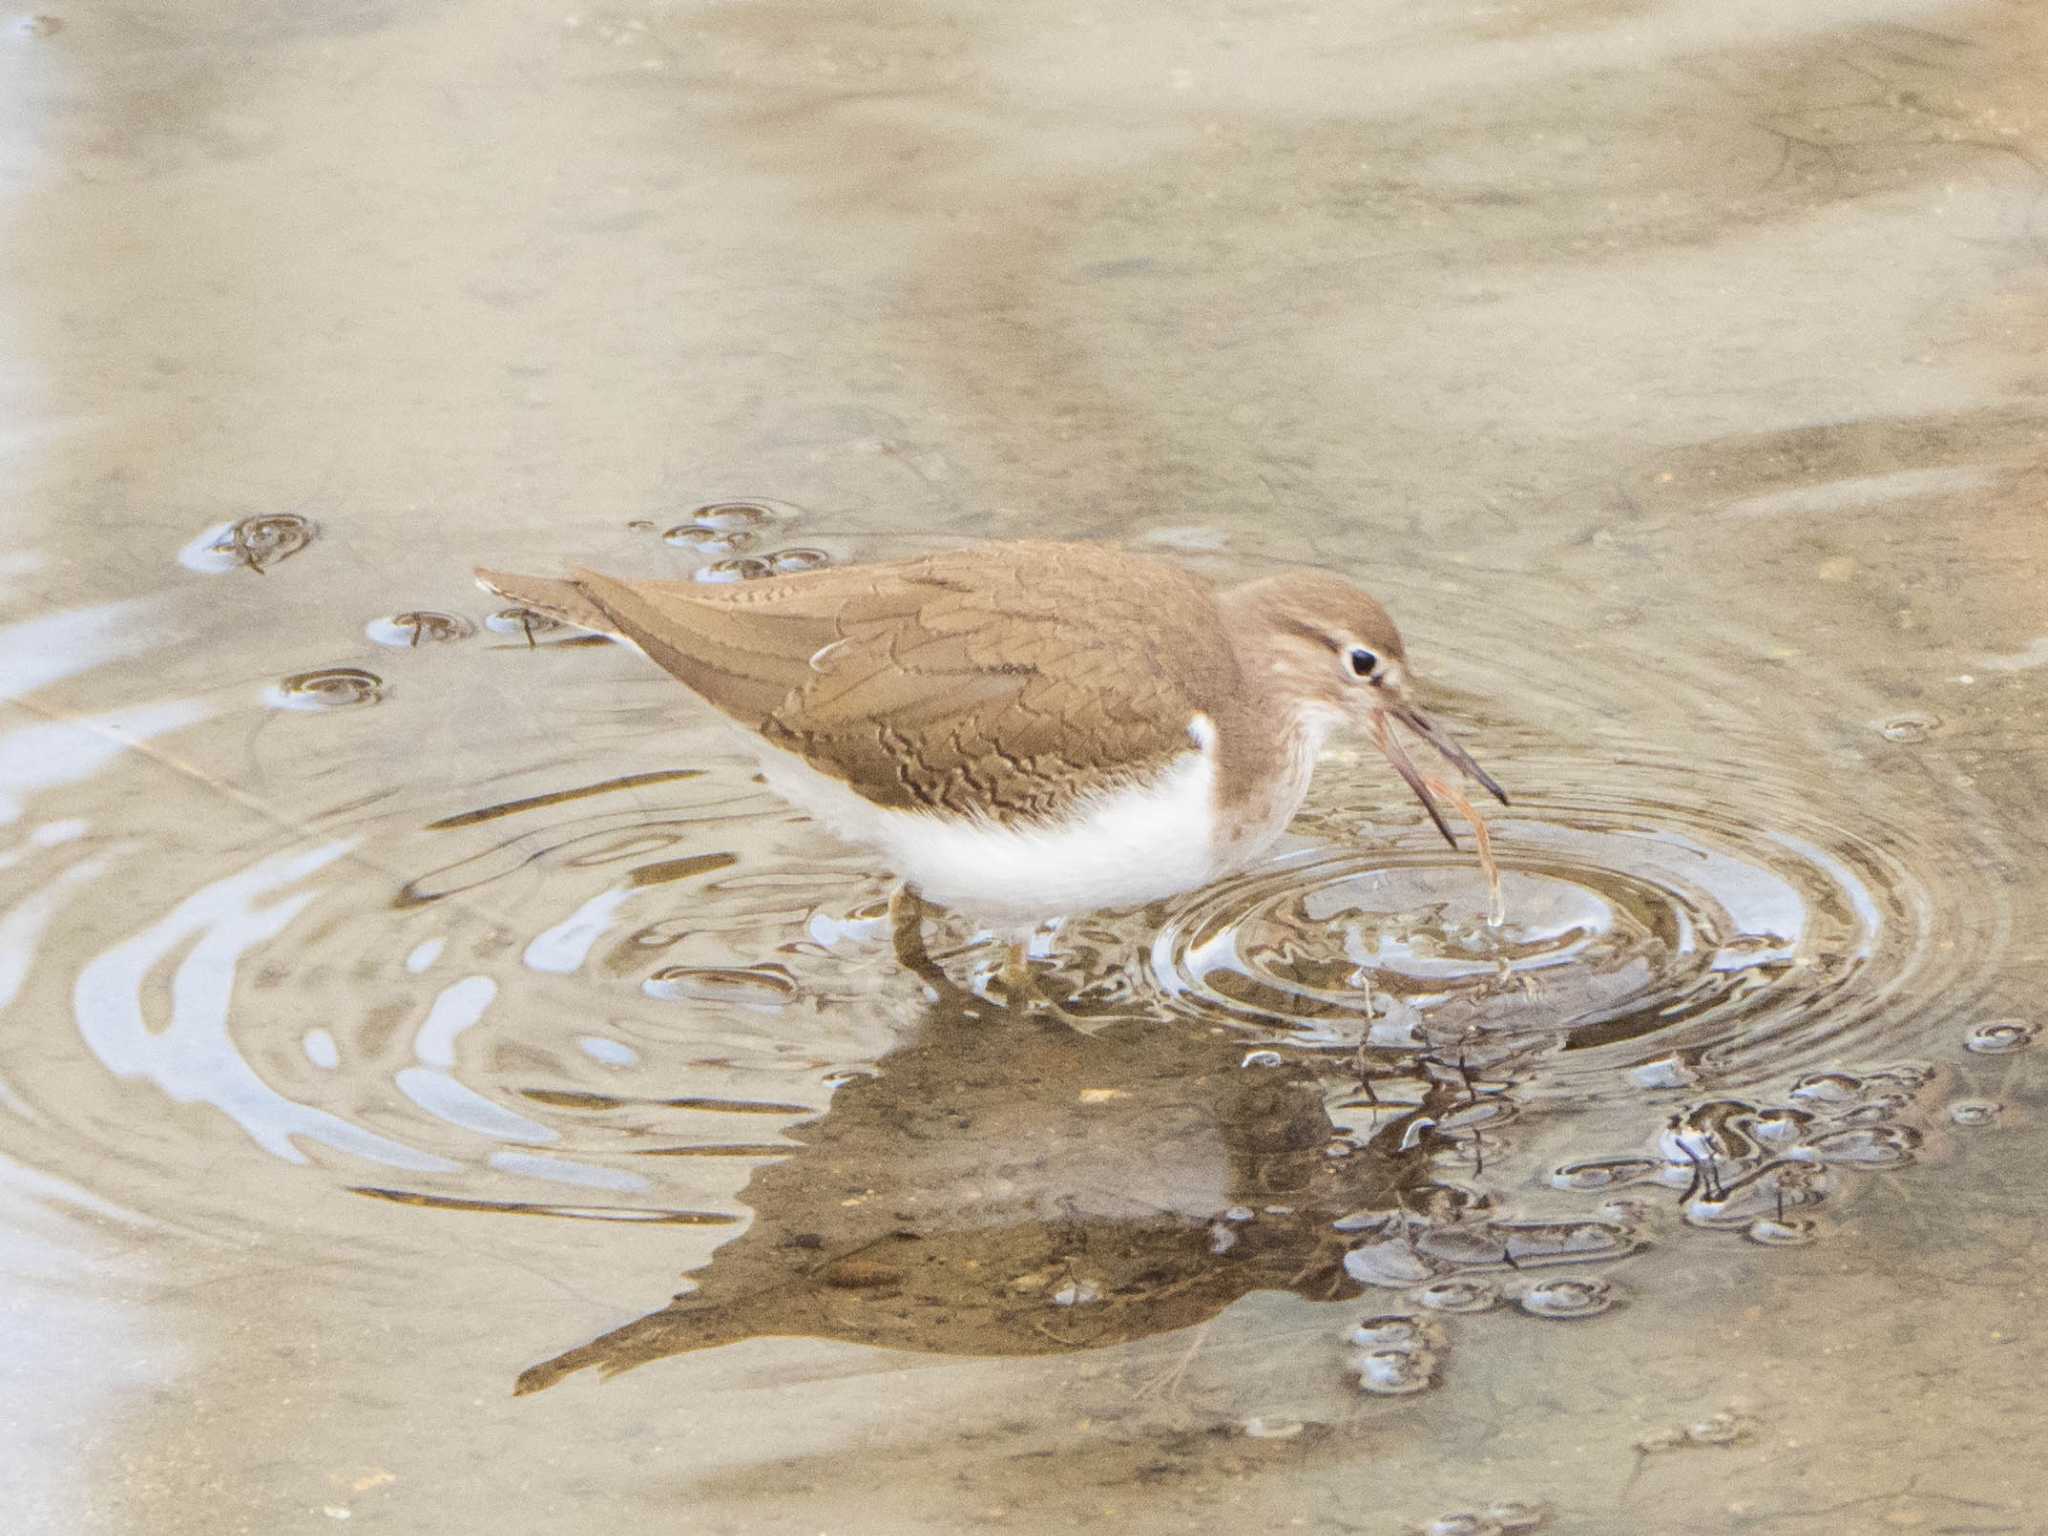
column 441, row 1088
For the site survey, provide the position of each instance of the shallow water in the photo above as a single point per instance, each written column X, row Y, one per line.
column 412, row 1015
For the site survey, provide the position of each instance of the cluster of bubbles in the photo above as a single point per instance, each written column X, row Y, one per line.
column 1397, row 1353
column 729, row 534
column 724, row 531
column 1756, row 1166
column 1717, row 1430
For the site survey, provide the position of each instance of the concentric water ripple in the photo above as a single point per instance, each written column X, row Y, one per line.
column 1634, row 933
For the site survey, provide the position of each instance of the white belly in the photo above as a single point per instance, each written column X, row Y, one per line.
column 1121, row 849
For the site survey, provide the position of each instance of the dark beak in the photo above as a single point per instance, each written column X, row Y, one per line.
column 1442, row 740
column 1445, row 743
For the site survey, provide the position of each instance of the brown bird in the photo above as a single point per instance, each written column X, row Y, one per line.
column 1024, row 730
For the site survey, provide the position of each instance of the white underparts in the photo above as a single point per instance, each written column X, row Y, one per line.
column 1119, row 849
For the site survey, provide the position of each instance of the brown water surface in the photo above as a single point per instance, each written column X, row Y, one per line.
column 413, row 1015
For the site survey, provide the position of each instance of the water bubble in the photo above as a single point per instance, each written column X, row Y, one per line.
column 731, row 515
column 1999, row 1037
column 793, row 562
column 1828, row 1088
column 1974, row 1113
column 1263, row 1059
column 1910, row 727
column 1398, row 1331
column 325, row 688
column 1514, row 1515
column 417, row 627
column 1524, row 1243
column 521, row 621
column 755, row 986
column 738, row 568
column 1577, row 1296
column 254, row 543
column 705, row 539
column 1395, row 1372
column 1456, row 1293
column 1782, row 1231
column 1238, row 1215
column 1720, row 1429
column 1779, row 1126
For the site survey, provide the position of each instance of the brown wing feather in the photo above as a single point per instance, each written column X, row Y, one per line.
column 1010, row 680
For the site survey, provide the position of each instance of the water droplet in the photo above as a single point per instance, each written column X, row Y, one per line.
column 1999, row 1037
column 1828, row 1088
column 1782, row 1231
column 704, row 539
column 1720, row 1429
column 1575, row 1296
column 793, row 562
column 1077, row 1293
column 1395, row 1372
column 729, row 515
column 255, row 543
column 738, row 568
column 1975, row 1112
column 755, row 986
column 417, row 627
column 1456, row 1293
column 521, row 621
column 1910, row 727
column 326, row 688
column 1397, row 1331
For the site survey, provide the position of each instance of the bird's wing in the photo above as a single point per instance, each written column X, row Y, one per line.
column 956, row 682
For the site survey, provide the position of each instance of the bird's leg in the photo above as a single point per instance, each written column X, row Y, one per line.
column 906, row 932
column 1018, row 986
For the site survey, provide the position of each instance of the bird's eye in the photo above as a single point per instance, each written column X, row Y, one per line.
column 1364, row 662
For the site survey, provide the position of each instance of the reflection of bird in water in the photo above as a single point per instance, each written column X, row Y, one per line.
column 1033, row 729
column 1007, row 1193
